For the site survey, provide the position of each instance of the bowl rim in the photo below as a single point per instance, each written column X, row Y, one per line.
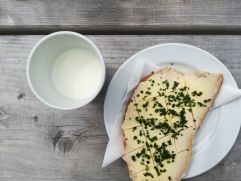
column 77, row 35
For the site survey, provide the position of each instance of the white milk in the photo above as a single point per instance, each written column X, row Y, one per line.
column 76, row 73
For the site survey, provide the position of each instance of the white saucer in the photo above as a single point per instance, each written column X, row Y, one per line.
column 221, row 126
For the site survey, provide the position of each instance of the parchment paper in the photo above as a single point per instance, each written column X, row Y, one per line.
column 115, row 148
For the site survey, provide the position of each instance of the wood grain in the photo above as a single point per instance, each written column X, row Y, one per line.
column 134, row 17
column 40, row 143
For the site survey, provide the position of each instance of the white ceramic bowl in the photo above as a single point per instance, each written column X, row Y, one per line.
column 40, row 63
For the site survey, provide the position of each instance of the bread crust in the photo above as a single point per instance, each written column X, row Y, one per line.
column 178, row 73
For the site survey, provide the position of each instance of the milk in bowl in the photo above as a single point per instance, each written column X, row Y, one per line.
column 76, row 73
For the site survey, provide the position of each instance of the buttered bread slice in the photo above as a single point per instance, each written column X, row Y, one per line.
column 162, row 119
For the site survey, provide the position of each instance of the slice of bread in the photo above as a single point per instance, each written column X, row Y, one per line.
column 162, row 119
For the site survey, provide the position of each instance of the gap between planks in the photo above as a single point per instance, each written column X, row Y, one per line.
column 123, row 30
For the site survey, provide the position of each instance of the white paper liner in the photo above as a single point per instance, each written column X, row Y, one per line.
column 115, row 148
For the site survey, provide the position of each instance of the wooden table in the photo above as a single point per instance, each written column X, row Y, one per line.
column 37, row 142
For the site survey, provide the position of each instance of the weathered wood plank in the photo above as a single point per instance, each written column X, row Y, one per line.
column 138, row 16
column 29, row 134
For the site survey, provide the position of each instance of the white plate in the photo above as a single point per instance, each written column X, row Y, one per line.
column 219, row 130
